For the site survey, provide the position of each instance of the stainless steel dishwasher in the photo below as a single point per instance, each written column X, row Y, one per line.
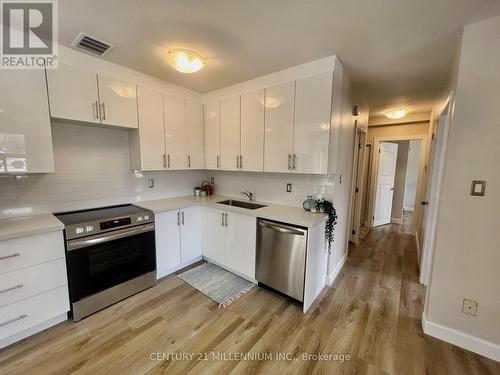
column 281, row 257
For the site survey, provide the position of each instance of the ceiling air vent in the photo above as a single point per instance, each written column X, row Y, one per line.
column 91, row 44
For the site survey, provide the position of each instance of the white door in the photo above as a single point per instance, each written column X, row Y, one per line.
column 194, row 135
column 118, row 102
column 190, row 234
column 168, row 242
column 278, row 141
column 311, row 134
column 385, row 183
column 252, row 131
column 175, row 132
column 214, row 241
column 25, row 132
column 212, row 135
column 230, row 133
column 73, row 94
column 151, row 129
column 240, row 243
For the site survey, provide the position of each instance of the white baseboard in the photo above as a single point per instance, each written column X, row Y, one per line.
column 162, row 274
column 33, row 330
column 396, row 221
column 409, row 209
column 461, row 339
column 331, row 277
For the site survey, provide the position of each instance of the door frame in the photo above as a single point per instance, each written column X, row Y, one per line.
column 430, row 224
column 358, row 169
column 374, row 172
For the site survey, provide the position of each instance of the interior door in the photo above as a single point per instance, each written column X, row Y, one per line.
column 230, row 133
column 252, row 131
column 118, row 102
column 175, row 132
column 168, row 242
column 278, row 143
column 73, row 94
column 212, row 135
column 214, row 241
column 190, row 233
column 151, row 129
column 241, row 233
column 194, row 134
column 385, row 183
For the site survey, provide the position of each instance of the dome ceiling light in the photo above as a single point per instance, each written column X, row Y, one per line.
column 185, row 61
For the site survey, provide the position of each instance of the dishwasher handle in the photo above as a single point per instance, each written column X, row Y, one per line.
column 283, row 228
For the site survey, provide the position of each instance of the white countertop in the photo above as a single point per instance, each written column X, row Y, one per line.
column 28, row 225
column 277, row 212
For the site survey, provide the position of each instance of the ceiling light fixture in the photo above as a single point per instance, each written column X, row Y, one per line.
column 396, row 113
column 185, row 61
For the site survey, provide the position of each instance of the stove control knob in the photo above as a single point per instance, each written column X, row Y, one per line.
column 140, row 218
column 146, row 217
column 79, row 230
column 89, row 228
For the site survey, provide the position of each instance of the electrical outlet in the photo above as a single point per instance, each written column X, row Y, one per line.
column 469, row 307
column 151, row 183
column 288, row 188
column 212, row 180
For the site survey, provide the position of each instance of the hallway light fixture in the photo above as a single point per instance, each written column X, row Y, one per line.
column 396, row 113
column 185, row 61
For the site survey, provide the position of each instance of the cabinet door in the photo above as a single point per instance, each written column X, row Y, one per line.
column 118, row 102
column 214, row 241
column 252, row 131
column 25, row 133
column 240, row 243
column 168, row 242
column 279, row 105
column 190, row 234
column 212, row 135
column 313, row 106
column 73, row 94
column 175, row 132
column 151, row 129
column 194, row 135
column 230, row 133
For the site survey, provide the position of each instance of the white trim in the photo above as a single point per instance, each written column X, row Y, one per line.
column 336, row 272
column 33, row 330
column 409, row 208
column 461, row 339
column 396, row 221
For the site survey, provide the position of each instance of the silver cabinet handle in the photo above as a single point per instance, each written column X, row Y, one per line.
column 289, row 161
column 10, row 256
column 237, row 162
column 294, row 156
column 11, row 288
column 103, row 111
column 226, row 219
column 178, row 218
column 241, row 161
column 164, row 160
column 168, row 161
column 222, row 214
column 189, row 161
column 20, row 317
column 218, row 161
column 95, row 109
column 182, row 215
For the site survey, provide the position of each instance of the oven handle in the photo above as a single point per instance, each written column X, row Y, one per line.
column 98, row 239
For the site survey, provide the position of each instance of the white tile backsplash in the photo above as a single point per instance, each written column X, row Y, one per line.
column 92, row 170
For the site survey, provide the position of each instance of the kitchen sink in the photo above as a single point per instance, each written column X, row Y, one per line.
column 248, row 205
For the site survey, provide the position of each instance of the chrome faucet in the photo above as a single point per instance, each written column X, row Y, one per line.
column 249, row 195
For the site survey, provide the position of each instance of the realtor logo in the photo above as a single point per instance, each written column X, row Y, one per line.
column 29, row 34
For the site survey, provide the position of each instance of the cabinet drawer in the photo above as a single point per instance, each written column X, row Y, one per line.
column 29, row 312
column 27, row 251
column 30, row 281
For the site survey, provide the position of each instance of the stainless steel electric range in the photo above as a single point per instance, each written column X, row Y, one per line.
column 110, row 255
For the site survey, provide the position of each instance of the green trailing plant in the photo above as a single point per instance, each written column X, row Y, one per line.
column 327, row 207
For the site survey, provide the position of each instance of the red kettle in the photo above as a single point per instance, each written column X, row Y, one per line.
column 207, row 187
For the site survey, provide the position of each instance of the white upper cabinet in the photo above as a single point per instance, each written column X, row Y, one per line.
column 212, row 135
column 73, row 94
column 175, row 132
column 118, row 102
column 279, row 108
column 194, row 135
column 25, row 133
column 230, row 133
column 313, row 104
column 149, row 140
column 252, row 131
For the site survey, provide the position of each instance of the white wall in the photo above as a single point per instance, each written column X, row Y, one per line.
column 92, row 170
column 411, row 178
column 466, row 257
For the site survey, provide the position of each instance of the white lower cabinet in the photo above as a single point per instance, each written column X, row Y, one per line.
column 178, row 239
column 229, row 240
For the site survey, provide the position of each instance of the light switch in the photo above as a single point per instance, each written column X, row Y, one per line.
column 478, row 188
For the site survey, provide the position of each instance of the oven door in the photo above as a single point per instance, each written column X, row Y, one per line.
column 99, row 262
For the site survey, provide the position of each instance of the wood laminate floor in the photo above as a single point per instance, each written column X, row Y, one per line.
column 371, row 313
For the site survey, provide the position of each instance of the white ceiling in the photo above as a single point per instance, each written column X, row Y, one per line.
column 397, row 52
